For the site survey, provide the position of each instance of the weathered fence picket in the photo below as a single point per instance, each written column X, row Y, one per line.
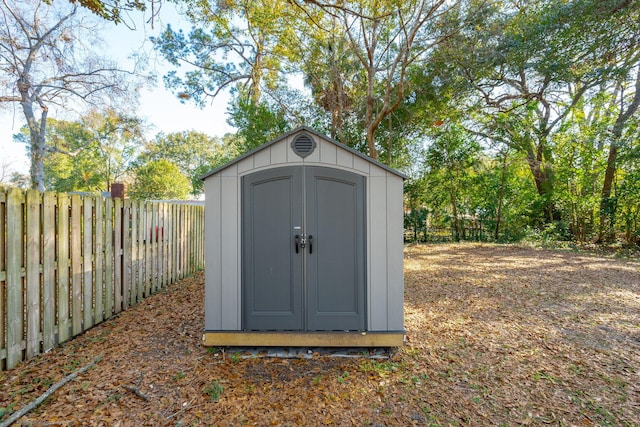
column 68, row 263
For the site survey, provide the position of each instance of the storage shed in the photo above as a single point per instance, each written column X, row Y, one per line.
column 303, row 247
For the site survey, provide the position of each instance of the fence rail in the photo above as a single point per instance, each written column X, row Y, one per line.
column 69, row 262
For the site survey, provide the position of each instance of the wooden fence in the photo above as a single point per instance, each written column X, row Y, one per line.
column 69, row 262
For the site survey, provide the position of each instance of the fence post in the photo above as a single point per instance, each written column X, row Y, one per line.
column 76, row 264
column 3, row 280
column 98, row 315
column 15, row 308
column 140, row 248
column 32, row 272
column 126, row 254
column 87, row 263
column 64, row 328
column 136, row 294
column 109, row 281
column 48, row 270
column 117, row 255
column 155, row 225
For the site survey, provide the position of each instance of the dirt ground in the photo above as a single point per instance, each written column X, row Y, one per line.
column 497, row 335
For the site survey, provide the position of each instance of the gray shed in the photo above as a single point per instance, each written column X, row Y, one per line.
column 303, row 247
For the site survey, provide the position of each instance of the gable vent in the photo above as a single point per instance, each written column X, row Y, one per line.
column 303, row 145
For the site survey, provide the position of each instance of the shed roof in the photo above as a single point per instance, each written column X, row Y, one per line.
column 301, row 129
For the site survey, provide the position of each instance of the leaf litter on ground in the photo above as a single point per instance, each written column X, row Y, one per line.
column 496, row 334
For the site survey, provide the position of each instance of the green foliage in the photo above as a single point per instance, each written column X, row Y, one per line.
column 214, row 390
column 6, row 411
column 193, row 152
column 513, row 119
column 256, row 123
column 111, row 10
column 46, row 60
column 159, row 180
column 89, row 154
column 232, row 46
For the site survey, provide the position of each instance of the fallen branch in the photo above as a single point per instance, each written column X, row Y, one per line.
column 33, row 405
column 137, row 392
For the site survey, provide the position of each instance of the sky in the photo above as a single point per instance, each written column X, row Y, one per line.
column 160, row 108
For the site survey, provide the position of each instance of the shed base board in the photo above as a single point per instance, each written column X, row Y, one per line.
column 302, row 339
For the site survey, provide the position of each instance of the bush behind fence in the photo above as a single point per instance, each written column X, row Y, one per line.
column 69, row 262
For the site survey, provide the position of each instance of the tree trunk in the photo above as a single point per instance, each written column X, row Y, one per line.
column 503, row 174
column 370, row 129
column 454, row 211
column 608, row 205
column 543, row 182
column 389, row 141
column 36, row 134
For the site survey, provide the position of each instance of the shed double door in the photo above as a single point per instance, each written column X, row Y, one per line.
column 303, row 249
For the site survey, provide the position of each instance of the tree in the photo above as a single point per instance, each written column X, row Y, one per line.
column 628, row 194
column 385, row 38
column 237, row 45
column 46, row 60
column 628, row 96
column 355, row 55
column 530, row 64
column 450, row 162
column 92, row 153
column 159, row 180
column 193, row 152
column 331, row 71
column 256, row 123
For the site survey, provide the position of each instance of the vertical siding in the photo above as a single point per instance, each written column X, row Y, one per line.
column 230, row 241
column 328, row 153
column 262, row 158
column 395, row 259
column 361, row 165
column 278, row 154
column 345, row 159
column 213, row 254
column 377, row 242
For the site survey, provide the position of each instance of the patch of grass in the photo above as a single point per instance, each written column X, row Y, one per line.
column 431, row 420
column 101, row 337
column 576, row 370
column 542, row 375
column 23, row 373
column 344, row 377
column 446, row 374
column 381, row 368
column 6, row 410
column 73, row 365
column 605, row 417
column 235, row 357
column 114, row 397
column 178, row 376
column 214, row 390
column 412, row 352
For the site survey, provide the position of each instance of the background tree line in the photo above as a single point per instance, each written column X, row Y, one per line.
column 512, row 118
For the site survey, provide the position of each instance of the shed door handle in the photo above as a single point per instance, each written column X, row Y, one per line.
column 297, row 240
column 310, row 244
